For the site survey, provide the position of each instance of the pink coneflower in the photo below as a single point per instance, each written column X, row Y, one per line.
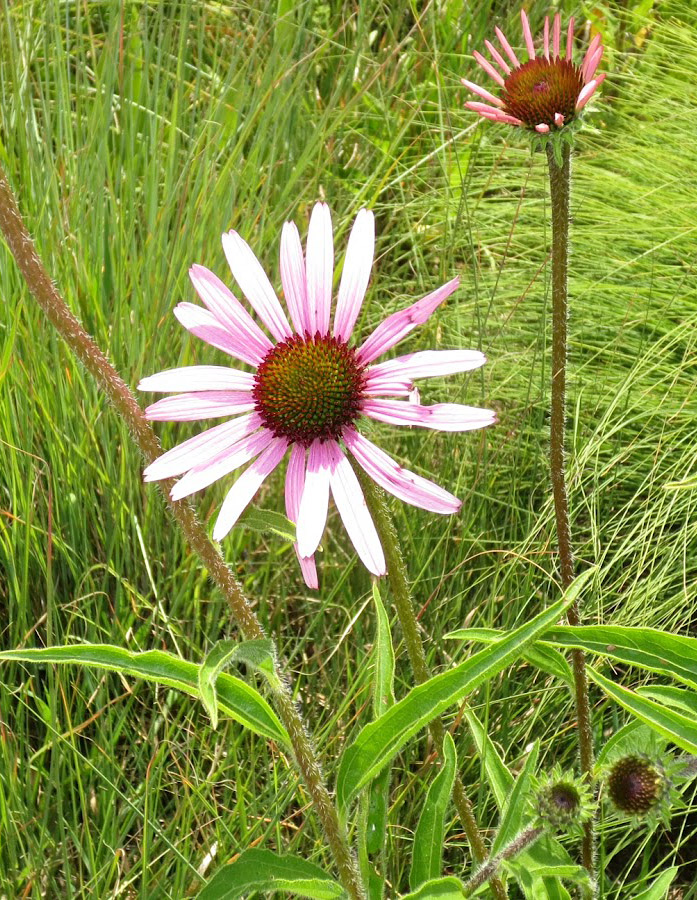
column 547, row 91
column 308, row 389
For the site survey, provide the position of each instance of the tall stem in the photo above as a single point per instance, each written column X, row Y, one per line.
column 91, row 356
column 489, row 869
column 560, row 185
column 404, row 604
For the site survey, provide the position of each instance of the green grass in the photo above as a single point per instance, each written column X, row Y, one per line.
column 134, row 134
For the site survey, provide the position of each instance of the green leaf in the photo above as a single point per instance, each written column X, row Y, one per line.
column 541, row 657
column 380, row 741
column 449, row 888
column 623, row 741
column 262, row 870
column 648, row 648
column 383, row 670
column 236, row 699
column 671, row 724
column 269, row 521
column 659, row 888
column 259, row 654
column 427, row 853
column 679, row 698
column 517, row 808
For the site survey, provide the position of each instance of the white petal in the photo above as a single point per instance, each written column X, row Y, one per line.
column 201, row 405
column 198, row 378
column 440, row 416
column 356, row 274
column 428, row 364
column 319, row 267
column 293, row 277
column 312, row 515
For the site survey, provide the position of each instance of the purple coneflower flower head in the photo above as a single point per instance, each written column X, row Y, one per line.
column 309, row 387
column 545, row 93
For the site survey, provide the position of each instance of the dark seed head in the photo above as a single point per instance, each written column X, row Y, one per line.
column 560, row 803
column 309, row 387
column 635, row 785
column 541, row 87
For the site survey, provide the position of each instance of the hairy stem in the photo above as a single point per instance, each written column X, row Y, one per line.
column 560, row 185
column 491, row 867
column 404, row 604
column 94, row 360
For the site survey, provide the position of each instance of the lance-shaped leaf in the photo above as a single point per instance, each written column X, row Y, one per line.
column 236, row 699
column 449, row 888
column 269, row 521
column 259, row 654
column 380, row 741
column 266, row 872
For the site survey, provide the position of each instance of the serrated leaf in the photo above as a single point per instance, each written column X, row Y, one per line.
column 671, row 724
column 269, row 521
column 380, row 741
column 262, row 870
column 547, row 659
column 236, row 699
column 427, row 852
column 259, row 654
column 449, row 888
column 648, row 648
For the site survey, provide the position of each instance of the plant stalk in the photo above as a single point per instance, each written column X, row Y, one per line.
column 85, row 349
column 489, row 869
column 404, row 604
column 560, row 188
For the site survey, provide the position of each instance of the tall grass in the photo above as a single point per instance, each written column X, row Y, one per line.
column 135, row 134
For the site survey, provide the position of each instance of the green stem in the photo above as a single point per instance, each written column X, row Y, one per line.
column 489, row 869
column 404, row 604
column 91, row 356
column 560, row 186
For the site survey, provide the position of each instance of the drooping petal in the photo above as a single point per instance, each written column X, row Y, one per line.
column 440, row 416
column 201, row 448
column 482, row 92
column 293, row 277
column 488, row 68
column 428, row 364
column 319, row 268
column 527, row 34
column 203, row 324
column 405, row 485
column 201, row 405
column 353, row 510
column 247, row 485
column 397, row 326
column 355, row 275
column 197, row 378
column 228, row 310
column 255, row 285
column 312, row 515
column 295, row 482
column 223, row 463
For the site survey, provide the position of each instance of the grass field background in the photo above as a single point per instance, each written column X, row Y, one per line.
column 134, row 134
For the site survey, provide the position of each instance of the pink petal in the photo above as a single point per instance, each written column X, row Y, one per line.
column 546, row 37
column 593, row 64
column 592, row 47
column 508, row 50
column 483, row 109
column 220, row 465
column 203, row 324
column 556, row 35
column 387, row 384
column 228, row 310
column 440, row 417
column 401, row 482
column 527, row 34
column 428, row 364
column 201, row 405
column 312, row 514
column 198, row 378
column 201, row 448
column 295, row 482
column 397, row 326
column 247, row 485
column 558, row 120
column 353, row 510
column 498, row 59
column 319, row 268
column 355, row 275
column 486, row 95
column 587, row 92
column 293, row 277
column 570, row 39
column 543, row 128
column 255, row 285
column 505, row 119
column 488, row 68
